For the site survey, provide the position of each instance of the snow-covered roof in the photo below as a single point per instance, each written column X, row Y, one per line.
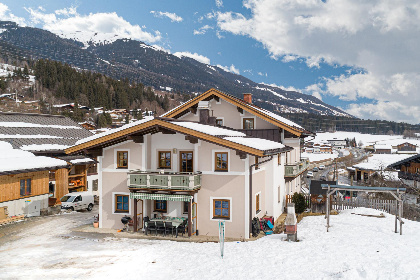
column 256, row 143
column 25, row 124
column 43, row 147
column 17, row 161
column 208, row 129
column 380, row 161
column 81, row 160
column 111, row 131
column 277, row 117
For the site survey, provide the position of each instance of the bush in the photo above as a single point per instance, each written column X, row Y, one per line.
column 299, row 200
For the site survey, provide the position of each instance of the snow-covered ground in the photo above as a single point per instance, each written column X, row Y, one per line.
column 366, row 139
column 357, row 247
column 318, row 157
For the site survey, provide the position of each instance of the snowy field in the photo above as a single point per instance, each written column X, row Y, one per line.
column 357, row 247
column 367, row 139
column 318, row 157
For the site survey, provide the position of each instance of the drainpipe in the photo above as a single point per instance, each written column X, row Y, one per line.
column 250, row 190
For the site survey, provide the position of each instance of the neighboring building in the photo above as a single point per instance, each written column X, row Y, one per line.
column 409, row 170
column 24, row 180
column 49, row 135
column 382, row 148
column 325, row 149
column 338, row 143
column 375, row 163
column 88, row 125
column 406, row 148
column 183, row 165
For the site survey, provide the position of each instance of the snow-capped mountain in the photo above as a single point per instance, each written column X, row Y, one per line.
column 153, row 66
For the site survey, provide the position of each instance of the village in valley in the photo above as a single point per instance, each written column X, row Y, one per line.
column 114, row 170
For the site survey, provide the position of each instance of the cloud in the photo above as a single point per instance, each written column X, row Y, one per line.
column 97, row 27
column 6, row 15
column 172, row 16
column 262, row 74
column 378, row 36
column 219, row 3
column 231, row 69
column 196, row 56
column 202, row 30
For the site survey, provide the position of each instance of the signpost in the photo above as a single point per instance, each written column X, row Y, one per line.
column 222, row 237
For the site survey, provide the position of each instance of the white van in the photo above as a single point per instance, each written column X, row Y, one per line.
column 77, row 201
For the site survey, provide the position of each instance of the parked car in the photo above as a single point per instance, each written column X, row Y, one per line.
column 323, row 178
column 77, row 201
column 310, row 174
column 315, row 169
column 322, row 167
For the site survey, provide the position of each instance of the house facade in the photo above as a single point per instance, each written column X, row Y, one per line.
column 24, row 180
column 202, row 161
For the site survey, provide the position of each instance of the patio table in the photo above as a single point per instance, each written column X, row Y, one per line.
column 175, row 222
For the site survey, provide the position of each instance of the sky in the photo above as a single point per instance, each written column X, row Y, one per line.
column 361, row 56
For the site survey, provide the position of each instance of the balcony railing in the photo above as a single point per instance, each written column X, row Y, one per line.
column 164, row 180
column 408, row 176
column 294, row 169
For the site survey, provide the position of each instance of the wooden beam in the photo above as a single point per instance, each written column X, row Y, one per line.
column 193, row 140
column 136, row 138
column 193, row 110
column 167, row 131
column 217, row 98
column 240, row 110
column 93, row 152
column 241, row 155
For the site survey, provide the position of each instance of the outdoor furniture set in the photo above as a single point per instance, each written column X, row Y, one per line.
column 167, row 225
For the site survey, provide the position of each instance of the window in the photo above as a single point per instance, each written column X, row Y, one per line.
column 221, row 208
column 221, row 161
column 186, row 162
column 165, row 160
column 122, row 159
column 121, row 203
column 160, row 205
column 219, row 122
column 25, row 187
column 257, row 203
column 248, row 123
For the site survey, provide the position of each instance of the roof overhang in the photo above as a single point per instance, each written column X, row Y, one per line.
column 12, row 172
column 159, row 125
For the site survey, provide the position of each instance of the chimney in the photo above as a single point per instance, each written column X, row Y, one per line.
column 248, row 98
column 203, row 112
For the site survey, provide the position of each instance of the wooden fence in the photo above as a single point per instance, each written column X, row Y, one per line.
column 307, row 200
column 389, row 206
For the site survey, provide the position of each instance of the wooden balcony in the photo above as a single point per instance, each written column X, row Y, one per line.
column 176, row 181
column 409, row 176
column 295, row 169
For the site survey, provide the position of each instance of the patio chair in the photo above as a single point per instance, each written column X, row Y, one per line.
column 151, row 226
column 169, row 228
column 145, row 220
column 181, row 228
column 160, row 227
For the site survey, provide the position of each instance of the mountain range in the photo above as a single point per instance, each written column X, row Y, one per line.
column 122, row 58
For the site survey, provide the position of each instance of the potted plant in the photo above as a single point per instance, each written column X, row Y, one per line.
column 96, row 221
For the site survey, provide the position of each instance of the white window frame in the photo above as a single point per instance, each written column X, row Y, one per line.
column 213, row 160
column 250, row 117
column 230, row 209
column 116, row 159
column 113, row 203
column 220, row 118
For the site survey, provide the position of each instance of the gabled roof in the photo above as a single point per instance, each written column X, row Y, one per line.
column 398, row 164
column 229, row 138
column 22, row 129
column 251, row 108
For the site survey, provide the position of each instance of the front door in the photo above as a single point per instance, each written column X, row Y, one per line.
column 186, row 162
